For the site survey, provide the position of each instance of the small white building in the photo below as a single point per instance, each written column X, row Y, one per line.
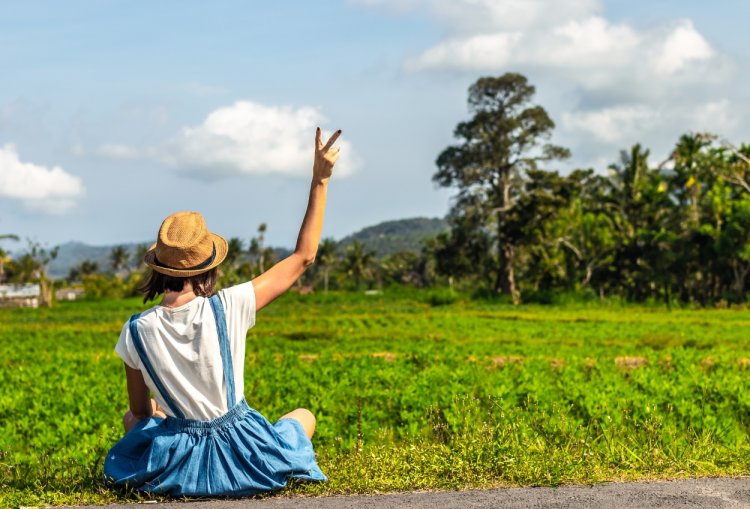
column 20, row 295
column 68, row 294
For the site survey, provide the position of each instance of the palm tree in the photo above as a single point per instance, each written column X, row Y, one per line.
column 358, row 262
column 326, row 259
column 230, row 272
column 261, row 238
column 691, row 164
column 234, row 251
column 85, row 268
column 138, row 253
column 118, row 259
column 254, row 252
column 627, row 181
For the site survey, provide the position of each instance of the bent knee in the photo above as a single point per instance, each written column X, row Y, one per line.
column 306, row 414
column 305, row 417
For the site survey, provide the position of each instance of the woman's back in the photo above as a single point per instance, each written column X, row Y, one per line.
column 183, row 348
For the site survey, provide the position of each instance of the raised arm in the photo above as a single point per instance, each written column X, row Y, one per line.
column 279, row 278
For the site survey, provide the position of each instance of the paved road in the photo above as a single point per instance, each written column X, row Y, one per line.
column 703, row 493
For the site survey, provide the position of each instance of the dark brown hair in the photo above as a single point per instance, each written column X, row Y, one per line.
column 156, row 283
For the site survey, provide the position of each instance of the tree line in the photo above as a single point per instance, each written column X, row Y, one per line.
column 337, row 267
column 675, row 231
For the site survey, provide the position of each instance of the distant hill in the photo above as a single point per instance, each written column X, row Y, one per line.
column 71, row 254
column 384, row 239
column 393, row 236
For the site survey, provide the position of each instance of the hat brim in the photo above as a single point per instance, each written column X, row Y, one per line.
column 221, row 253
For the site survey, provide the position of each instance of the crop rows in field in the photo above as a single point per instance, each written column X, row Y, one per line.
column 408, row 395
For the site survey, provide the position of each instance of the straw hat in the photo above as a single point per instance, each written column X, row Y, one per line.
column 185, row 247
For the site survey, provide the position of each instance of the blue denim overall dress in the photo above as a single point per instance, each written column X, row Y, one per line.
column 239, row 453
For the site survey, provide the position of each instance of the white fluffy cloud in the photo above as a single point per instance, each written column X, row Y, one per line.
column 615, row 83
column 50, row 190
column 243, row 138
column 591, row 53
column 604, row 130
column 572, row 36
column 682, row 47
column 612, row 124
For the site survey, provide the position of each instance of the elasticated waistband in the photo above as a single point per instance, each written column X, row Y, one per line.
column 234, row 414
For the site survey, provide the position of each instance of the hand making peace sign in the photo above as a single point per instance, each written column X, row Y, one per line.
column 325, row 156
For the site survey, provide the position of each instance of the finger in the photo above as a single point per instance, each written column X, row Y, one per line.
column 332, row 140
column 332, row 156
column 318, row 138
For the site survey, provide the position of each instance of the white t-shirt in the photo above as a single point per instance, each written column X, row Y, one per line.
column 182, row 345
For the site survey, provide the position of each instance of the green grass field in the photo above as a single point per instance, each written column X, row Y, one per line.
column 408, row 394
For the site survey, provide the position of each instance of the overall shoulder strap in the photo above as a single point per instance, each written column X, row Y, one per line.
column 226, row 352
column 138, row 343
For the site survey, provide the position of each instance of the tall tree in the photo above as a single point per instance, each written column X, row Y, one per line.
column 232, row 270
column 640, row 208
column 119, row 259
column 586, row 231
column 535, row 221
column 138, row 253
column 358, row 262
column 85, row 268
column 262, row 252
column 503, row 141
column 235, row 246
column 254, row 251
column 403, row 267
column 326, row 259
column 736, row 171
column 258, row 253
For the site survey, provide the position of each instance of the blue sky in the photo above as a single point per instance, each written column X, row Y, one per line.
column 115, row 114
